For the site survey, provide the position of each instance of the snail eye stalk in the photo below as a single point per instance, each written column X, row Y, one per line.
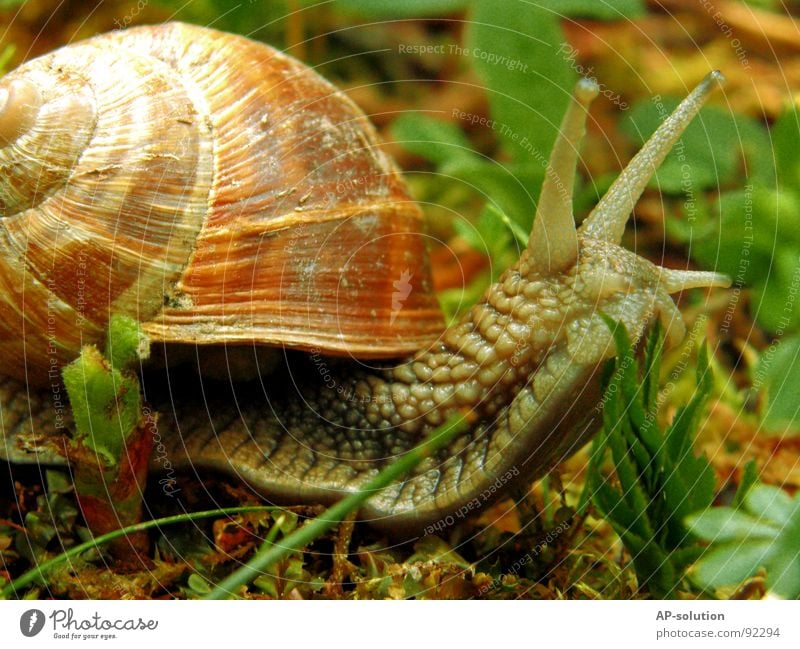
column 19, row 105
column 607, row 220
column 554, row 240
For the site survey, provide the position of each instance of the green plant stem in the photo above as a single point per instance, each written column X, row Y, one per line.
column 39, row 571
column 520, row 234
column 332, row 516
column 596, row 455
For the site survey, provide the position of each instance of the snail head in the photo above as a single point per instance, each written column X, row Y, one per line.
column 589, row 272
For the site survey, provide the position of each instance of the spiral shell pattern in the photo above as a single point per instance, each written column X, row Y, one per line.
column 213, row 188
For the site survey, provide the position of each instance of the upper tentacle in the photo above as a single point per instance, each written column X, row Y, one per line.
column 607, row 220
column 554, row 240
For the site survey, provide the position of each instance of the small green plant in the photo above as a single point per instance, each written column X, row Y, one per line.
column 660, row 481
column 112, row 441
column 763, row 533
column 103, row 393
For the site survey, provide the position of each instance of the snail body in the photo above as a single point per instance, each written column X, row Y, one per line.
column 263, row 269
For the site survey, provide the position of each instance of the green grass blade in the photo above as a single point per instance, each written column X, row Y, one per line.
column 40, row 571
column 337, row 513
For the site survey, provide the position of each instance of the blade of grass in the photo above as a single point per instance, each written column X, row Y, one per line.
column 596, row 456
column 332, row 516
column 748, row 479
column 39, row 571
column 520, row 234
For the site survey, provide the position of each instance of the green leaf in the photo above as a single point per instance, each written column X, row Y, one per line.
column 688, row 487
column 126, row 345
column 766, row 535
column 784, row 571
column 628, row 372
column 772, row 502
column 286, row 522
column 700, row 484
column 689, row 481
column 730, row 564
column 770, row 303
column 749, row 478
column 681, row 432
column 686, row 556
column 786, row 147
column 604, row 10
column 779, row 368
column 58, row 482
column 518, row 50
column 199, row 585
column 592, row 472
column 492, row 235
column 267, row 584
column 725, row 238
column 755, row 240
column 39, row 529
column 404, row 9
column 653, row 566
column 635, row 448
column 431, row 548
column 106, row 405
column 632, row 493
column 722, row 524
column 432, row 139
column 651, row 369
column 488, row 234
column 613, row 507
column 512, row 188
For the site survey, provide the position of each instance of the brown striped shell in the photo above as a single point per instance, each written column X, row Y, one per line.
column 211, row 187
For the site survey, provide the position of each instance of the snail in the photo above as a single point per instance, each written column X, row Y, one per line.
column 222, row 193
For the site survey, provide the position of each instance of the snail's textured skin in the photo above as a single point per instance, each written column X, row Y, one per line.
column 524, row 361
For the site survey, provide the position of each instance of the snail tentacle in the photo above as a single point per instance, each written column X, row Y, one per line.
column 607, row 220
column 554, row 240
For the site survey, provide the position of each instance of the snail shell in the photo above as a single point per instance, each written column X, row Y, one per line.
column 209, row 186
